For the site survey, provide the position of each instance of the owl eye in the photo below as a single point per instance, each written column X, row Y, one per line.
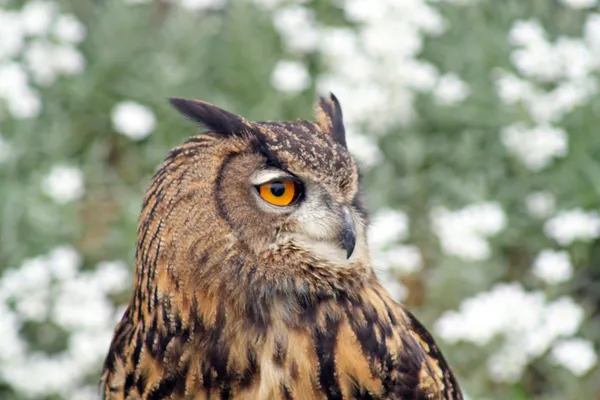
column 281, row 192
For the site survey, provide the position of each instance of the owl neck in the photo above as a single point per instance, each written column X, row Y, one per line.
column 255, row 291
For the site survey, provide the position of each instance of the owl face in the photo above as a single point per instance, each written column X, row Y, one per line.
column 288, row 186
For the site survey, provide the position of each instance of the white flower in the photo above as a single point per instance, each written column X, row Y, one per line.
column 112, row 276
column 405, row 258
column 450, row 90
column 527, row 325
column 68, row 60
column 37, row 16
column 82, row 304
column 362, row 147
column 13, row 80
column 512, row 89
column 569, row 226
column 64, row 184
column 527, row 33
column 578, row 4
column 538, row 61
column 553, row 266
column 388, row 226
column 39, row 57
column 577, row 355
column 508, row 364
column 11, row 34
column 201, row 4
column 5, row 150
column 64, row 262
column 540, row 204
column 297, row 26
column 136, row 1
column 268, row 4
column 389, row 282
column 27, row 105
column 536, row 147
column 87, row 348
column 290, row 76
column 562, row 318
column 576, row 57
column 592, row 32
column 12, row 346
column 506, row 307
column 133, row 120
column 463, row 233
column 69, row 29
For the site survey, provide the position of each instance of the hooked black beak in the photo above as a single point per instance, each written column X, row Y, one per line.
column 348, row 234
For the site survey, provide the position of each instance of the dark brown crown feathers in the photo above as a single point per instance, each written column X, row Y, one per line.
column 215, row 119
column 330, row 119
column 328, row 113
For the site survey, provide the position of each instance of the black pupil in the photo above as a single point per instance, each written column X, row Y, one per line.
column 277, row 189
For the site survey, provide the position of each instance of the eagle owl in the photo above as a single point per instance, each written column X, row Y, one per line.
column 253, row 278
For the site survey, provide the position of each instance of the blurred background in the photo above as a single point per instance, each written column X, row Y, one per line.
column 475, row 121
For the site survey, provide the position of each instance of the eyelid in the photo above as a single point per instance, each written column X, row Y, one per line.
column 271, row 175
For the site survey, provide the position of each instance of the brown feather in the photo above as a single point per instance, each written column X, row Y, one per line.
column 224, row 308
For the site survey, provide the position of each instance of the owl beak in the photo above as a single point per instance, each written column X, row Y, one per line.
column 348, row 234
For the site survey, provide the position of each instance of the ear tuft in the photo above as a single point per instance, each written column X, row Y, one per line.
column 212, row 117
column 329, row 117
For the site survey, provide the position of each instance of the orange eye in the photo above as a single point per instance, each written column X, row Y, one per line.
column 279, row 193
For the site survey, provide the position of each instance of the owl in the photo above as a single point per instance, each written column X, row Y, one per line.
column 253, row 278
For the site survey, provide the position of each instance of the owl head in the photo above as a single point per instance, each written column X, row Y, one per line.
column 282, row 186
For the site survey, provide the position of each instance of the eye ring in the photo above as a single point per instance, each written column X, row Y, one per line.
column 280, row 192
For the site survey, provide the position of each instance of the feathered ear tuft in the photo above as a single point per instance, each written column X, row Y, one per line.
column 330, row 119
column 213, row 118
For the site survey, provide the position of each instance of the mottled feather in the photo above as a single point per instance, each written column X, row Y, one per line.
column 226, row 306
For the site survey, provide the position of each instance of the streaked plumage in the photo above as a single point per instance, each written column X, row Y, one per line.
column 235, row 298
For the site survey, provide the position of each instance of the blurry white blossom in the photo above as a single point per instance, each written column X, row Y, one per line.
column 540, row 204
column 576, row 355
column 405, row 259
column 391, row 284
column 528, row 324
column 25, row 42
column 535, row 147
column 374, row 69
column 553, row 266
column 450, row 90
column 12, row 35
column 37, row 16
column 38, row 58
column 464, row 232
column 68, row 60
column 112, row 276
column 578, row 4
column 5, row 149
column 52, row 289
column 69, row 29
column 201, row 4
column 64, row 184
column 268, row 4
column 387, row 227
column 22, row 101
column 512, row 89
column 298, row 28
column 571, row 225
column 290, row 76
column 133, row 120
column 592, row 33
column 526, row 33
column 363, row 147
column 63, row 262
